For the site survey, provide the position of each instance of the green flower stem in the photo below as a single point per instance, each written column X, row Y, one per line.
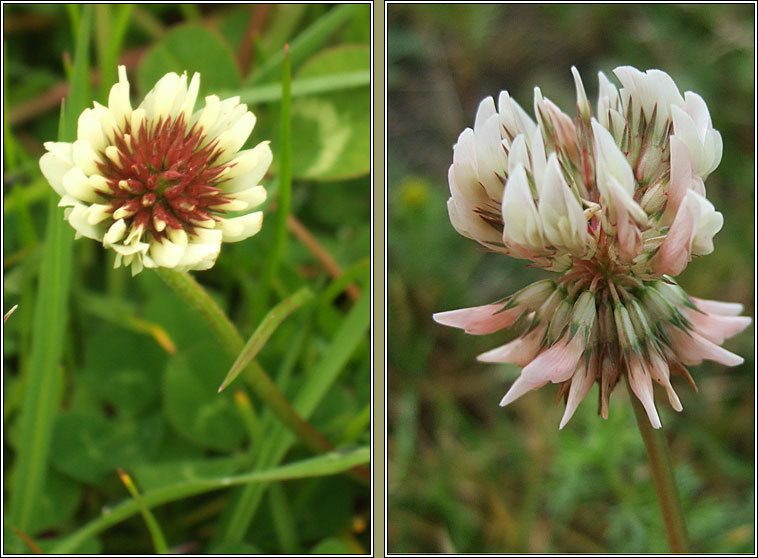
column 663, row 478
column 191, row 291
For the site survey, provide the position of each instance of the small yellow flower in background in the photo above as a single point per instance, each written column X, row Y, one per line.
column 616, row 203
column 162, row 185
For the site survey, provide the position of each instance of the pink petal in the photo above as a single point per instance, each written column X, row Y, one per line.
column 581, row 384
column 716, row 328
column 674, row 254
column 718, row 307
column 557, row 363
column 642, row 386
column 692, row 348
column 659, row 370
column 520, row 351
column 519, row 388
column 480, row 319
column 629, row 236
column 681, row 176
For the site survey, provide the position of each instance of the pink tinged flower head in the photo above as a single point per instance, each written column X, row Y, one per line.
column 561, row 213
column 616, row 203
column 163, row 184
column 692, row 232
column 522, row 224
column 642, row 386
column 692, row 125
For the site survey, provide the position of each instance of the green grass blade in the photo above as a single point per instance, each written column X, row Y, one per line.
column 50, row 315
column 234, row 524
column 109, row 38
column 264, row 331
column 281, row 514
column 301, row 87
column 331, row 463
column 156, row 533
column 308, row 42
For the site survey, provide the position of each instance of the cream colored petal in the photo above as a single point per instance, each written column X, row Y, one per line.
column 166, row 253
column 522, row 222
column 138, row 119
column 207, row 117
column 191, row 97
column 131, row 249
column 561, row 213
column 118, row 100
column 252, row 197
column 85, row 157
column 250, row 166
column 484, row 112
column 240, row 228
column 115, row 233
column 230, row 141
column 202, row 251
column 518, row 154
column 96, row 213
column 90, row 129
column 77, row 217
column 159, row 102
column 514, row 118
column 77, row 184
column 491, row 160
column 54, row 168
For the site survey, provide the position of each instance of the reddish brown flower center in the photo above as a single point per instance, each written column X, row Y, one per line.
column 165, row 178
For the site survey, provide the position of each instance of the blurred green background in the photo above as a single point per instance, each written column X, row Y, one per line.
column 136, row 386
column 465, row 475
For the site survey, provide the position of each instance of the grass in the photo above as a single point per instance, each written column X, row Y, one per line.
column 113, row 372
column 465, row 475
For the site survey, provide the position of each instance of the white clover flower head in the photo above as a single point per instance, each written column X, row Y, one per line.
column 616, row 202
column 162, row 185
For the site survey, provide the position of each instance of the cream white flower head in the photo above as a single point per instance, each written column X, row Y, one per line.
column 616, row 203
column 162, row 185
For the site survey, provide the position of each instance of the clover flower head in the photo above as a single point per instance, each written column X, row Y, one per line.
column 616, row 203
column 163, row 185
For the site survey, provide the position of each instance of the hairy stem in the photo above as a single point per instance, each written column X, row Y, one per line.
column 663, row 478
column 194, row 294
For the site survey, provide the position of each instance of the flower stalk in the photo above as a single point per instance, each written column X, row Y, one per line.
column 663, row 479
column 231, row 340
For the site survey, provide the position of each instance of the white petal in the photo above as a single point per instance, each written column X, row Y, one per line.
column 207, row 117
column 522, row 222
column 561, row 213
column 85, row 157
column 97, row 213
column 491, row 161
column 518, row 155
column 54, row 167
column 115, row 233
column 250, row 198
column 202, row 250
column 166, row 253
column 484, row 112
column 240, row 228
column 191, row 97
column 251, row 165
column 514, row 118
column 163, row 97
column 90, row 130
column 77, row 184
column 77, row 217
column 230, row 141
column 138, row 119
column 686, row 131
column 118, row 99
